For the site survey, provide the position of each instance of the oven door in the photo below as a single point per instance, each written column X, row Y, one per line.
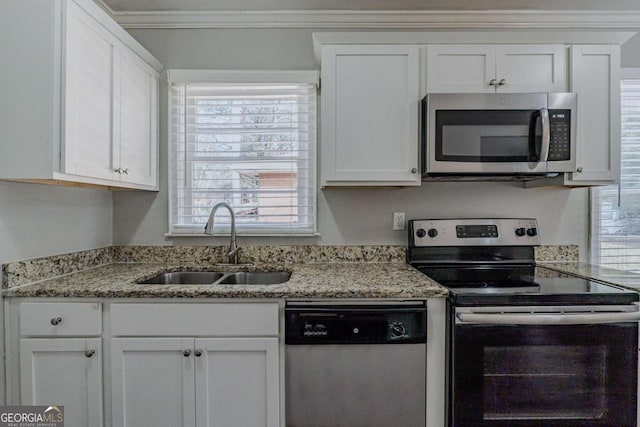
column 548, row 368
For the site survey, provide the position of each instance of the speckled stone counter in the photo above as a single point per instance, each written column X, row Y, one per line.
column 373, row 271
column 319, row 280
column 589, row 271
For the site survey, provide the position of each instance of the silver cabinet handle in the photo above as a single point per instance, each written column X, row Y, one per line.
column 493, row 82
column 119, row 170
column 186, row 352
column 126, row 171
column 502, row 82
column 198, row 352
column 579, row 170
column 414, row 170
column 89, row 353
column 56, row 320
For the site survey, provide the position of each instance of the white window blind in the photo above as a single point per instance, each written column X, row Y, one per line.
column 251, row 145
column 615, row 210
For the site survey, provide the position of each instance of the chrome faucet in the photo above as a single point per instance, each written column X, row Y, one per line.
column 208, row 229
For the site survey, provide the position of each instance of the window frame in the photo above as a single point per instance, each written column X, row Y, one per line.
column 187, row 76
column 626, row 73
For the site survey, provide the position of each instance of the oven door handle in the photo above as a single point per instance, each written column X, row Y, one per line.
column 547, row 319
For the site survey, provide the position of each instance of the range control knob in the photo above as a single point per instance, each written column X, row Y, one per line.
column 421, row 233
column 398, row 329
column 432, row 232
column 532, row 232
column 521, row 231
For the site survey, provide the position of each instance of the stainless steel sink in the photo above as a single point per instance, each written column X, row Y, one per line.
column 255, row 278
column 183, row 278
column 216, row 278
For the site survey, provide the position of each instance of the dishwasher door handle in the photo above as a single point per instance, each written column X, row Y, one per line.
column 546, row 318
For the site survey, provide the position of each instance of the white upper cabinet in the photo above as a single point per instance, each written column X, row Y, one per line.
column 595, row 77
column 369, row 115
column 137, row 154
column 461, row 68
column 100, row 90
column 89, row 110
column 496, row 68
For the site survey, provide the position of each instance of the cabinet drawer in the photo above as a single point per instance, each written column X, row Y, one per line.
column 60, row 319
column 217, row 319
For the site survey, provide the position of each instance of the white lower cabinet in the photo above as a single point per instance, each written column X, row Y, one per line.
column 60, row 358
column 152, row 382
column 198, row 364
column 195, row 382
column 237, row 382
column 63, row 371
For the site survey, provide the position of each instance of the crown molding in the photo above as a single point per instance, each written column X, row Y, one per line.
column 104, row 6
column 383, row 19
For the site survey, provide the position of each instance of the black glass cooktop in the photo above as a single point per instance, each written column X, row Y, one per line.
column 522, row 285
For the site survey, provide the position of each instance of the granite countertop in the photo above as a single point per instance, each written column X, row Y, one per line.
column 313, row 280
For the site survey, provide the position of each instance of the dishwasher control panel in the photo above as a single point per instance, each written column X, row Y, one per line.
column 355, row 324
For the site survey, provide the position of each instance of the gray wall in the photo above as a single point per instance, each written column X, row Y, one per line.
column 345, row 216
column 41, row 220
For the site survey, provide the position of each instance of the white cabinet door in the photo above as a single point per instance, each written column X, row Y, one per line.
column 237, row 382
column 496, row 68
column 461, row 68
column 61, row 60
column 138, row 96
column 531, row 68
column 63, row 371
column 595, row 77
column 152, row 382
column 369, row 112
column 89, row 107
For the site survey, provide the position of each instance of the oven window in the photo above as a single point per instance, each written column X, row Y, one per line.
column 543, row 375
column 561, row 382
column 485, row 135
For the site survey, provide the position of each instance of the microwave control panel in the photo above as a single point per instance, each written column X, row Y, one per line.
column 560, row 135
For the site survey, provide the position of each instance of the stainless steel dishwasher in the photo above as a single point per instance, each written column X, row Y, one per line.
column 355, row 365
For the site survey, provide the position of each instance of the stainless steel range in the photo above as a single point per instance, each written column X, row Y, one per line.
column 527, row 345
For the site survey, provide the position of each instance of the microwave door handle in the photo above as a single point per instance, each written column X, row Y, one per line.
column 546, row 134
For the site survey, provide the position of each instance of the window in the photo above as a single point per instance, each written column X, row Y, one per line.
column 249, row 143
column 615, row 210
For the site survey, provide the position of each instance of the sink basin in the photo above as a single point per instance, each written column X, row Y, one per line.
column 183, row 278
column 255, row 278
column 215, row 278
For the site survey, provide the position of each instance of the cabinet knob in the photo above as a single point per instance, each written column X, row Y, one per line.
column 502, row 82
column 186, row 352
column 198, row 352
column 579, row 170
column 119, row 170
column 56, row 320
column 126, row 171
column 89, row 353
column 414, row 170
column 493, row 82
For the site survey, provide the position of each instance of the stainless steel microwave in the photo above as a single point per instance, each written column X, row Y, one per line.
column 498, row 134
